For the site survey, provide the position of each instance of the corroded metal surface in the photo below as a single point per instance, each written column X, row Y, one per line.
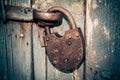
column 48, row 71
column 45, row 16
column 64, row 12
column 66, row 52
column 18, row 13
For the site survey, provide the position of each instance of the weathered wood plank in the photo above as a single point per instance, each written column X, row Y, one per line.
column 9, row 50
column 103, row 39
column 3, row 61
column 19, row 45
column 39, row 55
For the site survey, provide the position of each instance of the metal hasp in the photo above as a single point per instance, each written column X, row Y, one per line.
column 64, row 52
column 26, row 14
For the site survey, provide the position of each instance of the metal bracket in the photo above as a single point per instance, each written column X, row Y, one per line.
column 27, row 14
column 17, row 13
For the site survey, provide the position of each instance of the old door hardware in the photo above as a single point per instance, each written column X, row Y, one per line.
column 26, row 14
column 66, row 52
column 47, row 18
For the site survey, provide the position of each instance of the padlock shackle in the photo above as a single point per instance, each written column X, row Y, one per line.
column 66, row 13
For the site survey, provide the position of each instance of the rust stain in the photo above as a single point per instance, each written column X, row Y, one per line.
column 24, row 26
column 41, row 35
column 60, row 50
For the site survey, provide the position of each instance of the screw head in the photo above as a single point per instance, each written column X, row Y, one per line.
column 69, row 43
column 47, row 39
column 21, row 35
column 78, row 58
column 66, row 60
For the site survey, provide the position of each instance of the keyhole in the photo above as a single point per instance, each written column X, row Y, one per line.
column 66, row 60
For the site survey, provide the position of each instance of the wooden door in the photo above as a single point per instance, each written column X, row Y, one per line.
column 22, row 57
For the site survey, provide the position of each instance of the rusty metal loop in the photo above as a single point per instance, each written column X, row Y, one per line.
column 49, row 24
column 66, row 13
column 47, row 16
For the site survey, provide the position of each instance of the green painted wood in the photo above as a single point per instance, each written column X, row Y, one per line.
column 103, row 40
column 9, row 50
column 3, row 59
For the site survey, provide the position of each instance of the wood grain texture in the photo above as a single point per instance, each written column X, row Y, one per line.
column 3, row 59
column 102, row 31
column 18, row 47
column 39, row 55
column 26, row 60
column 21, row 42
column 9, row 50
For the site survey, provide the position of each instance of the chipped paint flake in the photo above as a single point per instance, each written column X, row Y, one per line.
column 94, row 4
column 106, row 32
column 90, row 24
column 96, row 22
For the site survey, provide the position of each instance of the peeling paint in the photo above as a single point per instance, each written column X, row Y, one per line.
column 94, row 4
column 96, row 23
column 89, row 23
column 106, row 32
column 102, row 39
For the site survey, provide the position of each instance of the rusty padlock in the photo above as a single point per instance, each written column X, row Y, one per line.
column 66, row 52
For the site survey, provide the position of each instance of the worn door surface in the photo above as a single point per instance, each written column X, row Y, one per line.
column 22, row 57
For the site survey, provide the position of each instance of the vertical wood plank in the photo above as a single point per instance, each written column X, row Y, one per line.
column 3, row 61
column 39, row 55
column 9, row 50
column 19, row 47
column 0, row 52
column 21, row 41
column 103, row 34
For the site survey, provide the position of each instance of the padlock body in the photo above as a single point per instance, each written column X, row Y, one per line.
column 65, row 53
